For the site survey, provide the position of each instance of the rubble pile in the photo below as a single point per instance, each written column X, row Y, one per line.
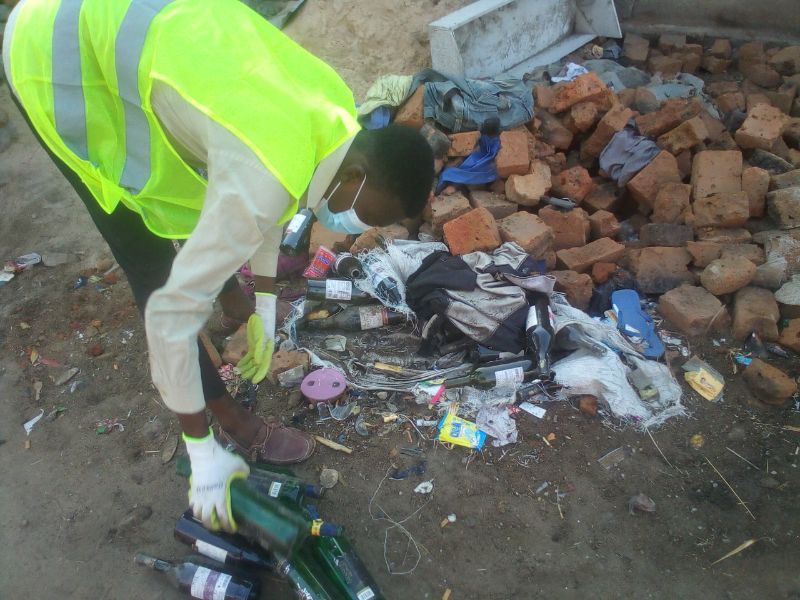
column 709, row 220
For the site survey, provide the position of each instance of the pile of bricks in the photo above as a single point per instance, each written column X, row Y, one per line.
column 711, row 225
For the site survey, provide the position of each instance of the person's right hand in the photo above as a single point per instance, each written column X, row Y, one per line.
column 213, row 470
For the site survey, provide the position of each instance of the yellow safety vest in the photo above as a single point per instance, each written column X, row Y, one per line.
column 84, row 71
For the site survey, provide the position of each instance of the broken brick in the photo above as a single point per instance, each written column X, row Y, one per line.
column 685, row 136
column 604, row 196
column 672, row 202
column 462, row 144
column 497, row 204
column 752, row 252
column 575, row 183
column 761, row 74
column 570, row 228
column 411, row 112
column 612, row 122
column 371, row 238
column 553, row 132
column 783, row 97
column 729, row 102
column 693, row 310
column 661, row 170
column 721, row 210
column 582, row 117
column 726, row 275
column 665, row 234
column 762, row 128
column 582, row 88
column 529, row 231
column 669, row 42
column 721, row 48
column 716, row 172
column 581, row 259
column 577, row 287
column 727, row 235
column 667, row 66
column 790, row 335
column 671, row 114
column 755, row 183
column 604, row 224
column 660, row 269
column 544, row 96
column 447, row 208
column 755, row 310
column 769, row 384
column 712, row 64
column 527, row 190
column 472, row 232
column 513, row 157
column 786, row 60
column 635, row 48
column 784, row 207
column 703, row 253
column 284, row 360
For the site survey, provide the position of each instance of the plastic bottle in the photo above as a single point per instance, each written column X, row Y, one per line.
column 298, row 233
column 197, row 581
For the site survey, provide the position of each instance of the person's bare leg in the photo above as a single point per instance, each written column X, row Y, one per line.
column 236, row 304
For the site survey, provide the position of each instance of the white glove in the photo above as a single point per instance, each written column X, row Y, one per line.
column 260, row 339
column 213, row 470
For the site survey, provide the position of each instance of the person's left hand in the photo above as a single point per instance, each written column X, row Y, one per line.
column 260, row 339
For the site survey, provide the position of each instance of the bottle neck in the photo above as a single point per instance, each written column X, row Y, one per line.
column 157, row 564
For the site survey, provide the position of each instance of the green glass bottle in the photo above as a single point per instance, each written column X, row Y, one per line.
column 339, row 560
column 507, row 372
column 307, row 578
column 283, row 486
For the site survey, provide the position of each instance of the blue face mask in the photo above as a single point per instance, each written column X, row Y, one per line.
column 346, row 221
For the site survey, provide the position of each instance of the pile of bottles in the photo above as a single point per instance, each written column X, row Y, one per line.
column 280, row 533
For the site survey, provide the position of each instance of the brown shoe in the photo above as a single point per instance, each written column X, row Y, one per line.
column 275, row 444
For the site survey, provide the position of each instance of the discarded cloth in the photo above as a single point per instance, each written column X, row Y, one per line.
column 461, row 104
column 569, row 72
column 473, row 293
column 626, row 154
column 388, row 90
column 378, row 118
column 477, row 168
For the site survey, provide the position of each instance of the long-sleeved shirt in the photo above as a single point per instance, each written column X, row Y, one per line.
column 243, row 203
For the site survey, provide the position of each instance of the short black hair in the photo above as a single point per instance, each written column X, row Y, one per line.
column 400, row 160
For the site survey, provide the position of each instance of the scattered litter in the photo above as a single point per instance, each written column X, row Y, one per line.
column 333, row 445
column 37, row 390
column 106, row 426
column 458, row 431
column 361, row 425
column 777, row 350
column 742, row 359
column 417, row 469
column 641, row 503
column 532, row 409
column 54, row 414
column 328, row 478
column 451, row 518
column 5, row 277
column 428, row 392
column 292, row 377
column 704, row 379
column 66, row 376
column 697, row 441
column 497, row 422
column 542, row 487
column 569, row 72
column 426, row 487
column 735, row 551
column 31, row 423
column 426, row 422
column 335, row 343
column 613, row 458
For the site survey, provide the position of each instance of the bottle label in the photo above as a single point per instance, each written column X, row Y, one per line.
column 275, row 489
column 372, row 317
column 509, row 376
column 211, row 551
column 338, row 289
column 296, row 223
column 532, row 319
column 209, row 585
column 365, row 594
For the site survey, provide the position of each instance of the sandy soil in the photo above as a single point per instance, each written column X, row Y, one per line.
column 76, row 505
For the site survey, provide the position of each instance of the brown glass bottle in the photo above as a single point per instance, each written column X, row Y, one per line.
column 197, row 581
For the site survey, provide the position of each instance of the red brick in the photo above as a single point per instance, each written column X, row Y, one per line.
column 761, row 74
column 729, row 235
column 472, row 232
column 755, row 183
column 762, row 127
column 665, row 234
column 612, row 122
column 528, row 190
column 602, row 271
column 691, row 62
column 669, row 42
column 721, row 48
column 529, row 231
column 372, row 237
column 635, row 48
column 673, row 112
column 790, row 335
column 784, row 207
column 582, row 117
column 752, row 252
column 668, row 66
column 557, row 163
column 784, row 96
column 570, row 228
column 726, row 275
column 581, row 259
column 582, row 88
column 755, row 310
column 604, row 196
column 684, row 160
column 730, row 102
column 604, row 224
column 577, row 287
column 717, row 88
column 750, row 52
column 462, row 144
column 769, row 384
column 575, row 183
column 661, row 269
column 333, row 240
column 685, row 136
column 544, row 96
column 553, row 132
column 672, row 201
column 785, row 180
column 411, row 112
column 712, row 64
column 447, row 208
column 754, row 100
column 514, row 157
column 714, row 126
column 497, row 204
column 716, row 172
column 703, row 253
column 645, row 101
column 283, row 360
column 721, row 210
column 693, row 311
column 644, row 186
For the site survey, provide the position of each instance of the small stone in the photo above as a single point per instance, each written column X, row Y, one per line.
column 328, row 478
column 769, row 483
column 588, row 405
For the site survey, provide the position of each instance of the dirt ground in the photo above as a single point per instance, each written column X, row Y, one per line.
column 77, row 505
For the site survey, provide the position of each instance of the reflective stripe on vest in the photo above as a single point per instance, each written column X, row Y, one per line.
column 128, row 53
column 68, row 95
column 69, row 104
